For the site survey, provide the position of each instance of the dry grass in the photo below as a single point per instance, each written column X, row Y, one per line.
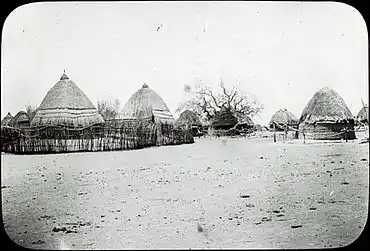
column 363, row 114
column 6, row 119
column 188, row 118
column 325, row 106
column 224, row 118
column 66, row 104
column 284, row 117
column 144, row 104
column 20, row 118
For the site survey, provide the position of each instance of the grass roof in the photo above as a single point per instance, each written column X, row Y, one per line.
column 6, row 119
column 284, row 117
column 363, row 114
column 66, row 104
column 146, row 103
column 19, row 118
column 325, row 106
column 188, row 118
column 224, row 118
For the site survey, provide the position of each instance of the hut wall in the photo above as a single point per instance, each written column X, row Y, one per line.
column 328, row 131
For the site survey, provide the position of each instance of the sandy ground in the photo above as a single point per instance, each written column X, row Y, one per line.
column 216, row 193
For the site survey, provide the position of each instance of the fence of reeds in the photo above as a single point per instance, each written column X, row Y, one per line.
column 108, row 136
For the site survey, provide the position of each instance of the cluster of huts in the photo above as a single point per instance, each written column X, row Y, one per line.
column 326, row 116
column 145, row 118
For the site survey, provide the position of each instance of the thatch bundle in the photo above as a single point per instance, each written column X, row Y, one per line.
column 146, row 103
column 21, row 119
column 283, row 117
column 363, row 115
column 67, row 105
column 326, row 115
column 189, row 119
column 224, row 119
column 6, row 119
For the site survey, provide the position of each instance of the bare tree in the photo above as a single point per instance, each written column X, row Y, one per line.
column 206, row 102
column 108, row 109
column 31, row 111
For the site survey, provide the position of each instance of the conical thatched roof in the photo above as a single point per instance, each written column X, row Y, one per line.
column 146, row 103
column 284, row 117
column 188, row 118
column 325, row 106
column 363, row 114
column 19, row 119
column 224, row 118
column 67, row 105
column 6, row 119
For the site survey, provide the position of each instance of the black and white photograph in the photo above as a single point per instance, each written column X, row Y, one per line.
column 184, row 125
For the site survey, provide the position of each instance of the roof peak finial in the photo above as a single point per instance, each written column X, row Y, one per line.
column 145, row 85
column 64, row 76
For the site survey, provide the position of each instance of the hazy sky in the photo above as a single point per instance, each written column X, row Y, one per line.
column 281, row 52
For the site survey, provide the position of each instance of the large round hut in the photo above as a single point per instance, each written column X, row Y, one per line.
column 66, row 105
column 224, row 120
column 283, row 118
column 326, row 116
column 20, row 120
column 189, row 119
column 363, row 115
column 146, row 103
column 5, row 121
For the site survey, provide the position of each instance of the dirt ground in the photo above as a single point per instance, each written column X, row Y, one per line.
column 215, row 193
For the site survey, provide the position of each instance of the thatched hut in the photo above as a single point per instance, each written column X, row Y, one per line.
column 146, row 103
column 5, row 121
column 20, row 120
column 224, row 120
column 283, row 118
column 66, row 104
column 363, row 115
column 245, row 123
column 327, row 116
column 189, row 119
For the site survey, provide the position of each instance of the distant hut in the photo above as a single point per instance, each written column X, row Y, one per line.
column 146, row 103
column 282, row 118
column 6, row 119
column 363, row 115
column 327, row 116
column 190, row 120
column 224, row 120
column 20, row 120
column 66, row 104
column 245, row 123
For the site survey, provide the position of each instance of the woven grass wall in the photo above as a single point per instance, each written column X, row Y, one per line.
column 112, row 135
column 328, row 131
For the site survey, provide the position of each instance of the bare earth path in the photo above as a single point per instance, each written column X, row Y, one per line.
column 243, row 193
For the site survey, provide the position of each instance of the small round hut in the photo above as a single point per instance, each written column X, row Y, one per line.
column 282, row 118
column 224, row 120
column 66, row 104
column 363, row 115
column 326, row 116
column 6, row 119
column 245, row 123
column 146, row 103
column 189, row 119
column 20, row 120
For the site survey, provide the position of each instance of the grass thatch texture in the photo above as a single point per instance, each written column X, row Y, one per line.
column 328, row 131
column 5, row 121
column 144, row 104
column 224, row 119
column 189, row 119
column 66, row 94
column 66, row 117
column 114, row 135
column 21, row 119
column 363, row 115
column 246, row 120
column 325, row 106
column 284, row 117
column 66, row 104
